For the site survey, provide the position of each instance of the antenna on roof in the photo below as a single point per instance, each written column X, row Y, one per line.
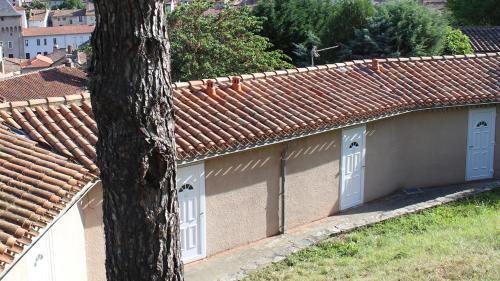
column 315, row 52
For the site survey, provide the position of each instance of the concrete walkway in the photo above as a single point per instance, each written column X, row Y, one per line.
column 237, row 263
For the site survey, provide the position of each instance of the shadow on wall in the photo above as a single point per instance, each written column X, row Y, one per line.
column 250, row 182
column 313, row 178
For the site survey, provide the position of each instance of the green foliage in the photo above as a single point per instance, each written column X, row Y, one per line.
column 225, row 43
column 71, row 4
column 399, row 28
column 35, row 4
column 475, row 12
column 449, row 242
column 457, row 43
column 291, row 22
column 345, row 17
column 302, row 51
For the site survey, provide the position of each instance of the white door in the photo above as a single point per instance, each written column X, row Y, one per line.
column 191, row 186
column 353, row 161
column 480, row 144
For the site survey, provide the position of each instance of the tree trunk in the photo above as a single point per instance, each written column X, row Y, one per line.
column 133, row 108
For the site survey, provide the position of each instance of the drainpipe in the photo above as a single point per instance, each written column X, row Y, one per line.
column 282, row 194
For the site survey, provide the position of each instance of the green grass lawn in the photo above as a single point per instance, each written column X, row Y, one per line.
column 457, row 241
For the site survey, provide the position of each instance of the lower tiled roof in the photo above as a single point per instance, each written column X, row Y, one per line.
column 35, row 186
column 483, row 38
column 273, row 106
column 52, row 82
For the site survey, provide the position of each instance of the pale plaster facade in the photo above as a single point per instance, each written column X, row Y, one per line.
column 11, row 35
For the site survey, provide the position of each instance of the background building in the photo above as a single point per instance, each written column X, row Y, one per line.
column 12, row 21
column 42, row 40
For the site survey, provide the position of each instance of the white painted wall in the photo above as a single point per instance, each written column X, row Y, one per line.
column 37, row 23
column 59, row 255
column 47, row 43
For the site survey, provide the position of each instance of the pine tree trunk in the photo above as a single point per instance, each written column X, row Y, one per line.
column 132, row 104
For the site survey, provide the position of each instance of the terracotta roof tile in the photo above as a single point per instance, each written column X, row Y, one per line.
column 68, row 13
column 484, row 38
column 53, row 82
column 279, row 106
column 58, row 30
column 38, row 14
column 35, row 186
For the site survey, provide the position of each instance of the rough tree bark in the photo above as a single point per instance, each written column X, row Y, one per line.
column 132, row 104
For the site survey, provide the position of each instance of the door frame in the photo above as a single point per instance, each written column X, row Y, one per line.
column 199, row 168
column 493, row 133
column 363, row 165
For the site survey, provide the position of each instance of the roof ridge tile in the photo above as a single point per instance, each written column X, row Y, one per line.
column 281, row 72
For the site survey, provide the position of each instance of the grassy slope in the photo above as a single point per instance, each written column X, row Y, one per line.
column 458, row 241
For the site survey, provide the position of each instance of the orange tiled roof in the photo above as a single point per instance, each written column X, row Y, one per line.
column 53, row 82
column 274, row 106
column 58, row 30
column 68, row 13
column 38, row 14
column 35, row 186
column 38, row 61
column 484, row 38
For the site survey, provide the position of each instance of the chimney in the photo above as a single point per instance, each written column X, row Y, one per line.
column 210, row 88
column 69, row 63
column 69, row 50
column 375, row 65
column 236, row 84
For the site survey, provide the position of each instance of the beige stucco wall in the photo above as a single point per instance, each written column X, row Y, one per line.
column 242, row 198
column 242, row 190
column 312, row 178
column 91, row 209
column 415, row 150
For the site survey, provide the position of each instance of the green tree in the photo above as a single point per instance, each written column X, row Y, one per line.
column 72, row 4
column 345, row 17
column 457, row 43
column 35, row 4
column 206, row 44
column 290, row 22
column 475, row 12
column 399, row 28
column 133, row 107
column 302, row 51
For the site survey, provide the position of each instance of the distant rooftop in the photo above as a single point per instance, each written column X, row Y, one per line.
column 484, row 38
column 38, row 15
column 69, row 13
column 58, row 30
column 52, row 82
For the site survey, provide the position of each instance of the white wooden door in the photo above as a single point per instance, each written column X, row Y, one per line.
column 480, row 144
column 352, row 177
column 191, row 186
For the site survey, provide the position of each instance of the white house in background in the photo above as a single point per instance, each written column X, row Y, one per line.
column 38, row 18
column 41, row 40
